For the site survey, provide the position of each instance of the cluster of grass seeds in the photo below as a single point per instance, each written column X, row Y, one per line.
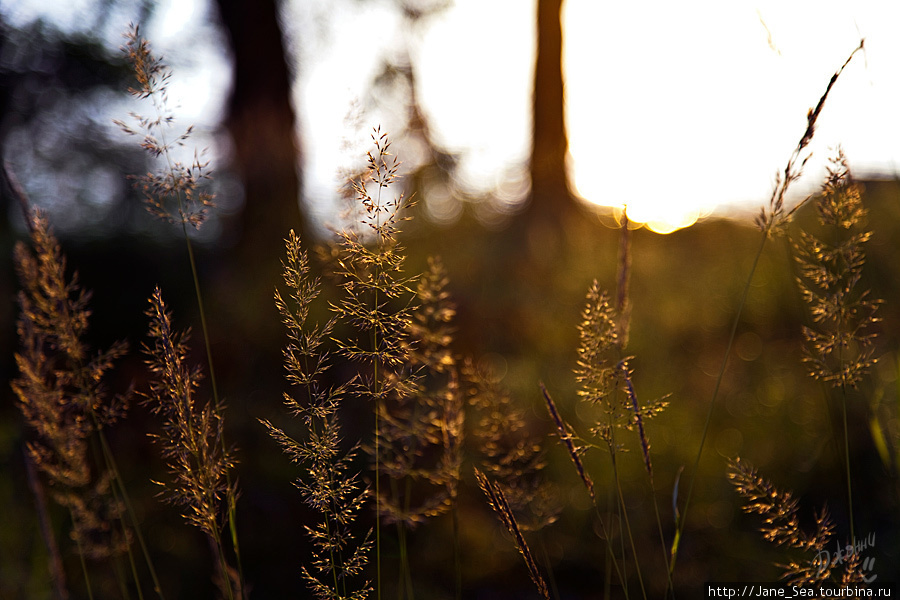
column 329, row 487
column 839, row 346
column 838, row 351
column 606, row 387
column 510, row 454
column 774, row 217
column 396, row 331
column 512, row 463
column 174, row 194
column 377, row 301
column 810, row 564
column 193, row 439
column 606, row 378
column 63, row 398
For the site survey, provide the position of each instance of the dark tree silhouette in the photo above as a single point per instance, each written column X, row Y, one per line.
column 261, row 122
column 551, row 199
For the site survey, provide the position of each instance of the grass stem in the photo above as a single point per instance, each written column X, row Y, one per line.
column 731, row 337
column 847, row 464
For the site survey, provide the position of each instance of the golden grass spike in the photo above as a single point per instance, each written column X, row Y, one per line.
column 61, row 392
column 329, row 487
column 564, row 431
column 781, row 525
column 499, row 504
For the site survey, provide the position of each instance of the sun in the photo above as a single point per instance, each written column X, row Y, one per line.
column 645, row 206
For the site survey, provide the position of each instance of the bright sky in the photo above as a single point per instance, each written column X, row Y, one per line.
column 674, row 109
column 677, row 109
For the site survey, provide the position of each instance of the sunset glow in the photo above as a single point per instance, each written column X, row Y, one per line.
column 675, row 110
column 679, row 111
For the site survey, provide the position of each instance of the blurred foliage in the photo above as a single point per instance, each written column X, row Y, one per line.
column 56, row 89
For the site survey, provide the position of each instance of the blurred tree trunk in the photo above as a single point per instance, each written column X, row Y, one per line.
column 261, row 122
column 551, row 200
column 532, row 253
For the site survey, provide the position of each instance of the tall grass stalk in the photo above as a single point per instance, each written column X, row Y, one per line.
column 769, row 221
column 605, row 378
column 63, row 398
column 377, row 302
column 839, row 346
column 328, row 488
column 645, row 451
column 191, row 438
column 174, row 194
column 497, row 500
column 623, row 310
column 129, row 507
column 606, row 386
